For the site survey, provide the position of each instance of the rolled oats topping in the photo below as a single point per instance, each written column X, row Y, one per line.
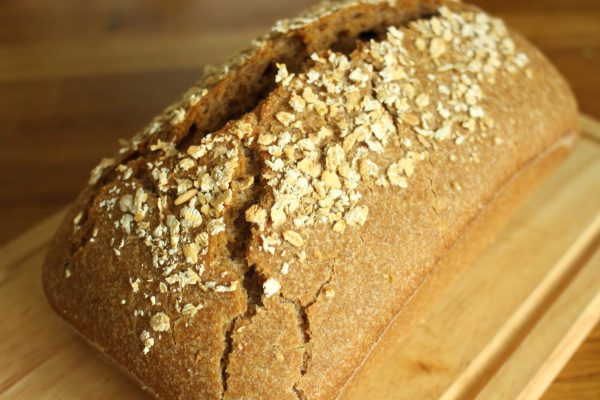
column 321, row 150
column 271, row 286
column 294, row 238
column 147, row 341
column 370, row 100
column 160, row 322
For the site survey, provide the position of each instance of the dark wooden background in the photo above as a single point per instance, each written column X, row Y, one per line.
column 77, row 75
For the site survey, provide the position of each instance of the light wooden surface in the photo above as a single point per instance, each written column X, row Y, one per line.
column 564, row 326
column 509, row 323
column 76, row 76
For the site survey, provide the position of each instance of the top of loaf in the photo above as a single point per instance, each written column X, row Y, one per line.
column 357, row 103
column 220, row 203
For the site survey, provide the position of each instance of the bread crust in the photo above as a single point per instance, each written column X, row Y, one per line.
column 374, row 377
column 243, row 299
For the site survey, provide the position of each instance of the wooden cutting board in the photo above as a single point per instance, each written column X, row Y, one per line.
column 502, row 331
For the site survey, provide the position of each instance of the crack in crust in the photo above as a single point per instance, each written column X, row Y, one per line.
column 346, row 43
column 304, row 327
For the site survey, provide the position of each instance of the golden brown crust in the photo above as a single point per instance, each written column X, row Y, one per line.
column 260, row 235
column 375, row 377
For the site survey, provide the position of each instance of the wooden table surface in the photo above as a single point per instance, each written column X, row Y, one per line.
column 77, row 76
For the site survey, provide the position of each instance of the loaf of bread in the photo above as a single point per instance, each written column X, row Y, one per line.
column 260, row 237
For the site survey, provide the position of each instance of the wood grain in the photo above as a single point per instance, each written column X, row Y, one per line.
column 76, row 76
column 539, row 363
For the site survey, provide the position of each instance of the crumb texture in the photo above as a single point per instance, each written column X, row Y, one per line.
column 257, row 237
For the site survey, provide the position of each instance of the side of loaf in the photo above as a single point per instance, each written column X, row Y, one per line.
column 258, row 238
